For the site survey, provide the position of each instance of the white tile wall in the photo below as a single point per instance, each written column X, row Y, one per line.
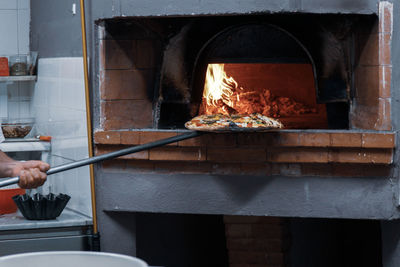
column 59, row 108
column 23, row 31
column 8, row 32
column 57, row 102
column 24, row 4
column 14, row 39
column 8, row 4
column 14, row 27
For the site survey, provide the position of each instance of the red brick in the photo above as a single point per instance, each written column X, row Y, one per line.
column 152, row 136
column 385, row 17
column 385, row 43
column 129, row 137
column 178, row 153
column 236, row 155
column 377, row 170
column 388, row 111
column 225, row 168
column 183, row 167
column 261, row 169
column 103, row 149
column 367, row 48
column 383, row 122
column 345, row 139
column 258, row 139
column 107, row 137
column 126, row 114
column 125, row 165
column 314, row 139
column 378, row 140
column 350, row 170
column 114, row 125
column 268, row 230
column 290, row 169
column 276, row 168
column 377, row 156
column 125, row 84
column 140, row 166
column 145, row 53
column 367, row 89
column 308, row 121
column 255, row 230
column 361, row 170
column 297, row 155
column 317, row 169
column 222, row 140
column 345, row 155
column 197, row 141
column 144, row 155
column 102, row 56
column 367, row 80
column 118, row 54
column 364, row 116
column 286, row 169
column 114, row 165
column 385, row 78
column 249, row 257
column 256, row 244
column 238, row 231
column 288, row 139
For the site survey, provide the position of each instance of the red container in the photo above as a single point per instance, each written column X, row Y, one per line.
column 4, row 70
column 7, row 205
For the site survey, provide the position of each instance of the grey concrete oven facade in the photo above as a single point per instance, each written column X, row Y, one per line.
column 340, row 171
column 158, row 182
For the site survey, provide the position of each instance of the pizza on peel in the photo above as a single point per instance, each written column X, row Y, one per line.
column 236, row 122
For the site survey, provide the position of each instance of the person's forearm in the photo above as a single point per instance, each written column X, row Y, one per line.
column 6, row 164
column 31, row 173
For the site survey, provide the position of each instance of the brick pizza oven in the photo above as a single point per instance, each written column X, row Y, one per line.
column 334, row 161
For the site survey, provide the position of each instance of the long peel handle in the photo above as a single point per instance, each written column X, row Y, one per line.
column 9, row 181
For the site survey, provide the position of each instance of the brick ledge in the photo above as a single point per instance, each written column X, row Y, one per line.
column 349, row 139
column 268, row 147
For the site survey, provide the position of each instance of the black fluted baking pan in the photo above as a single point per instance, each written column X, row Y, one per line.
column 41, row 207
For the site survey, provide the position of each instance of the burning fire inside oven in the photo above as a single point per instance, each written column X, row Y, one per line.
column 223, row 94
column 283, row 91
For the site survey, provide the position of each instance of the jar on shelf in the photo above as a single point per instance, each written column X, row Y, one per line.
column 18, row 65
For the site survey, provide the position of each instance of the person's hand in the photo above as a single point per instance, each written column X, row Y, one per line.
column 31, row 173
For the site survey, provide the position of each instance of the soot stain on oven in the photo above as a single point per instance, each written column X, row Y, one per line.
column 180, row 56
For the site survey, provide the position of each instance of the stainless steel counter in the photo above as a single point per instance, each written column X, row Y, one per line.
column 16, row 221
column 70, row 231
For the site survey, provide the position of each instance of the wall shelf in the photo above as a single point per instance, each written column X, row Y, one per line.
column 26, row 78
column 20, row 145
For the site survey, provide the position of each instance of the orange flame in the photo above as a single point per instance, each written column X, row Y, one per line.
column 218, row 85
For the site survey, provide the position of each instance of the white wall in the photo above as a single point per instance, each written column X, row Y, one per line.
column 14, row 27
column 14, row 39
column 59, row 108
column 56, row 101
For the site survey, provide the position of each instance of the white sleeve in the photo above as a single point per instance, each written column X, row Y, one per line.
column 1, row 135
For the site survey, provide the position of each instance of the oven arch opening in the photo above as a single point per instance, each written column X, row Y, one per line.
column 271, row 66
